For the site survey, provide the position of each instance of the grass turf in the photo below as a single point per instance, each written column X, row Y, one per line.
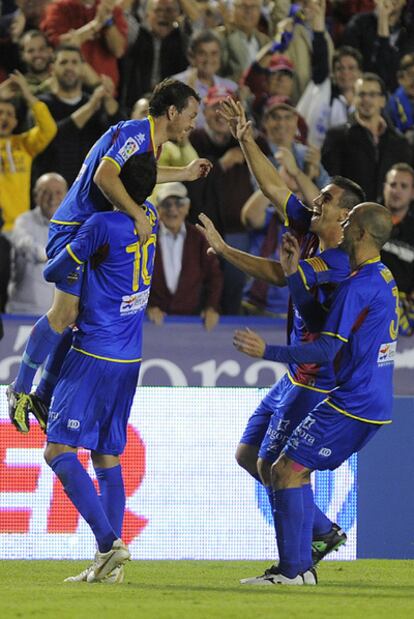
column 206, row 589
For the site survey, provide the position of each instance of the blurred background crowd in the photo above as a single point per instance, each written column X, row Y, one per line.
column 328, row 83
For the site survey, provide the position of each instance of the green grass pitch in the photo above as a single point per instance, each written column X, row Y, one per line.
column 206, row 589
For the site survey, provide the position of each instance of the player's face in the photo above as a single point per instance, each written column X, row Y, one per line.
column 351, row 233
column 182, row 123
column 67, row 69
column 207, row 59
column 36, row 54
column 326, row 208
column 8, row 119
column 398, row 191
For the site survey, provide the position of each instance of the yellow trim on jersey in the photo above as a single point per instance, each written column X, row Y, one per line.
column 284, row 205
column 152, row 133
column 340, row 410
column 307, row 386
column 89, row 354
column 106, row 158
column 317, row 264
column 303, row 276
column 343, row 339
column 72, row 255
column 370, row 261
column 66, row 223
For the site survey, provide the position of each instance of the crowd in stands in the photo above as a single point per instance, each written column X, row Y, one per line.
column 329, row 85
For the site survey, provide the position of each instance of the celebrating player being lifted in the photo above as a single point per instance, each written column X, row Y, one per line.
column 98, row 379
column 305, row 385
column 105, row 179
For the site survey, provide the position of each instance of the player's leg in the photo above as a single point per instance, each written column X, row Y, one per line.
column 44, row 338
column 111, row 488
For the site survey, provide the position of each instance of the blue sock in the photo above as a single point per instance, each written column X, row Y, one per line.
column 111, row 486
column 81, row 491
column 307, row 528
column 41, row 342
column 50, row 374
column 321, row 524
column 288, row 516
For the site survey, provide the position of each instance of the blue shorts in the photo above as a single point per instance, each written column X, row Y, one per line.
column 59, row 236
column 277, row 415
column 91, row 403
column 326, row 438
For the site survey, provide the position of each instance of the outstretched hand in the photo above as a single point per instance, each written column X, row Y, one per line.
column 289, row 254
column 233, row 112
column 213, row 237
column 198, row 168
column 249, row 343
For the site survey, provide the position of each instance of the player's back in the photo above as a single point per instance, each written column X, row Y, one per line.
column 116, row 286
column 364, row 367
column 118, row 144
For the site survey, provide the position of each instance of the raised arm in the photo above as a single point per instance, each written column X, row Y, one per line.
column 266, row 175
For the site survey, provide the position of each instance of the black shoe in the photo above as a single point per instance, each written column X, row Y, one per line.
column 40, row 410
column 323, row 545
column 18, row 409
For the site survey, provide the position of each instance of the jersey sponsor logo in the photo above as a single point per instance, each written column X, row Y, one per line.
column 52, row 416
column 133, row 303
column 386, row 353
column 325, row 452
column 131, row 146
column 73, row 424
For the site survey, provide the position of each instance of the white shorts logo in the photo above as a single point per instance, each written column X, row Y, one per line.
column 386, row 353
column 325, row 452
column 73, row 424
column 133, row 303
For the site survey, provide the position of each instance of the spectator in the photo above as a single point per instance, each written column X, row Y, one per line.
column 186, row 280
column 99, row 28
column 400, row 107
column 328, row 102
column 241, row 39
column 223, row 193
column 37, row 56
column 81, row 118
column 5, row 267
column 17, row 151
column 280, row 124
column 398, row 252
column 265, row 232
column 366, row 147
column 159, row 51
column 204, row 54
column 29, row 293
column 383, row 37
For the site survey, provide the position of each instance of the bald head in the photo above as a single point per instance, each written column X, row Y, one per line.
column 374, row 219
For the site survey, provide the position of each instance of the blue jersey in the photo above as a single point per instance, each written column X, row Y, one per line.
column 118, row 144
column 321, row 274
column 116, row 285
column 364, row 315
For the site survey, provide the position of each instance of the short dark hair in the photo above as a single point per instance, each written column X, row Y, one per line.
column 32, row 34
column 353, row 193
column 402, row 167
column 376, row 220
column 373, row 77
column 347, row 50
column 170, row 92
column 65, row 47
column 201, row 37
column 139, row 175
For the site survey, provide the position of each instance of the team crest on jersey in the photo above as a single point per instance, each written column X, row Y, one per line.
column 386, row 353
column 133, row 303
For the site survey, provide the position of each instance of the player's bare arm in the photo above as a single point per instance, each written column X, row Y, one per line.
column 289, row 254
column 198, row 168
column 107, row 179
column 249, row 343
column 267, row 176
column 268, row 270
column 286, row 159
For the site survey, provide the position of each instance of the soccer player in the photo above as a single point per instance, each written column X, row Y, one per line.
column 101, row 183
column 97, row 383
column 359, row 334
column 305, row 385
